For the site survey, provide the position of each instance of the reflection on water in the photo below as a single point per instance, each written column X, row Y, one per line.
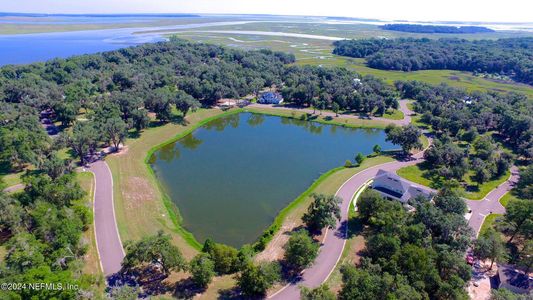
column 231, row 177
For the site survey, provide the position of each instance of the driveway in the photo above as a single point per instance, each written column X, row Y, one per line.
column 108, row 241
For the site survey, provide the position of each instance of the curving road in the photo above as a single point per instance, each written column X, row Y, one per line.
column 334, row 241
column 491, row 203
column 108, row 241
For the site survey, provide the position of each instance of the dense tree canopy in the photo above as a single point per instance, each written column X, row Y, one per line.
column 415, row 255
column 513, row 57
column 463, row 115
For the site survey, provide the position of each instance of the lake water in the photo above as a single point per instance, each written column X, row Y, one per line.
column 231, row 177
column 29, row 48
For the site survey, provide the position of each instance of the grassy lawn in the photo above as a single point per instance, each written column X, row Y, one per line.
column 295, row 114
column 92, row 262
column 3, row 252
column 393, row 114
column 507, row 198
column 489, row 222
column 10, row 179
column 473, row 191
column 415, row 174
column 140, row 205
column 91, row 259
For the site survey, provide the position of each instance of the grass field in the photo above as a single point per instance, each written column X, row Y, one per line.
column 393, row 114
column 140, row 205
column 92, row 262
column 3, row 252
column 489, row 222
column 340, row 121
column 504, row 201
column 91, row 258
column 473, row 191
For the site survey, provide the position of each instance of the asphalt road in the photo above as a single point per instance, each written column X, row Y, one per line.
column 491, row 202
column 108, row 241
column 334, row 241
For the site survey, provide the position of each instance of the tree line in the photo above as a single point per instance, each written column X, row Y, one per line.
column 463, row 115
column 419, row 28
column 512, row 57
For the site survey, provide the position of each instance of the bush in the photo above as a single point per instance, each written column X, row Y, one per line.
column 300, row 251
column 255, row 280
column 224, row 257
column 348, row 164
column 202, row 269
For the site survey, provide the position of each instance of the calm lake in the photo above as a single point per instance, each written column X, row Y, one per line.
column 231, row 177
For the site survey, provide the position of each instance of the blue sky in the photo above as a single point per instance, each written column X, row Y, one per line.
column 413, row 10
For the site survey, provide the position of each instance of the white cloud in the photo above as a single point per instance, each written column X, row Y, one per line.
column 413, row 10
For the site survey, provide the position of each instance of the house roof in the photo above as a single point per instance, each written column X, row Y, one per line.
column 515, row 278
column 398, row 187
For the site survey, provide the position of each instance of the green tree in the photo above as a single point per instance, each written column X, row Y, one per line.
column 185, row 102
column 140, row 119
column 505, row 294
column 323, row 212
column 335, row 107
column 368, row 203
column 321, row 292
column 377, row 149
column 202, row 269
column 13, row 215
column 524, row 186
column 301, row 250
column 255, row 280
column 54, row 166
column 83, row 139
column 407, row 137
column 225, row 257
column 519, row 216
column 256, row 85
column 359, row 158
column 525, row 257
column 124, row 292
column 115, row 131
column 154, row 250
column 450, row 202
column 24, row 252
column 490, row 246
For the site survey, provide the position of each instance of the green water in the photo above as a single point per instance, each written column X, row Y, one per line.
column 231, row 177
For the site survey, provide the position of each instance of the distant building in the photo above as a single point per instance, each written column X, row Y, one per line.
column 514, row 280
column 270, row 98
column 394, row 187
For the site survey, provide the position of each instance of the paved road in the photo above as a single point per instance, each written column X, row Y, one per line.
column 403, row 107
column 334, row 241
column 108, row 240
column 491, row 202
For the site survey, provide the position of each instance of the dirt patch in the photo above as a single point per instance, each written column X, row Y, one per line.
column 123, row 151
column 138, row 190
column 274, row 250
column 479, row 288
